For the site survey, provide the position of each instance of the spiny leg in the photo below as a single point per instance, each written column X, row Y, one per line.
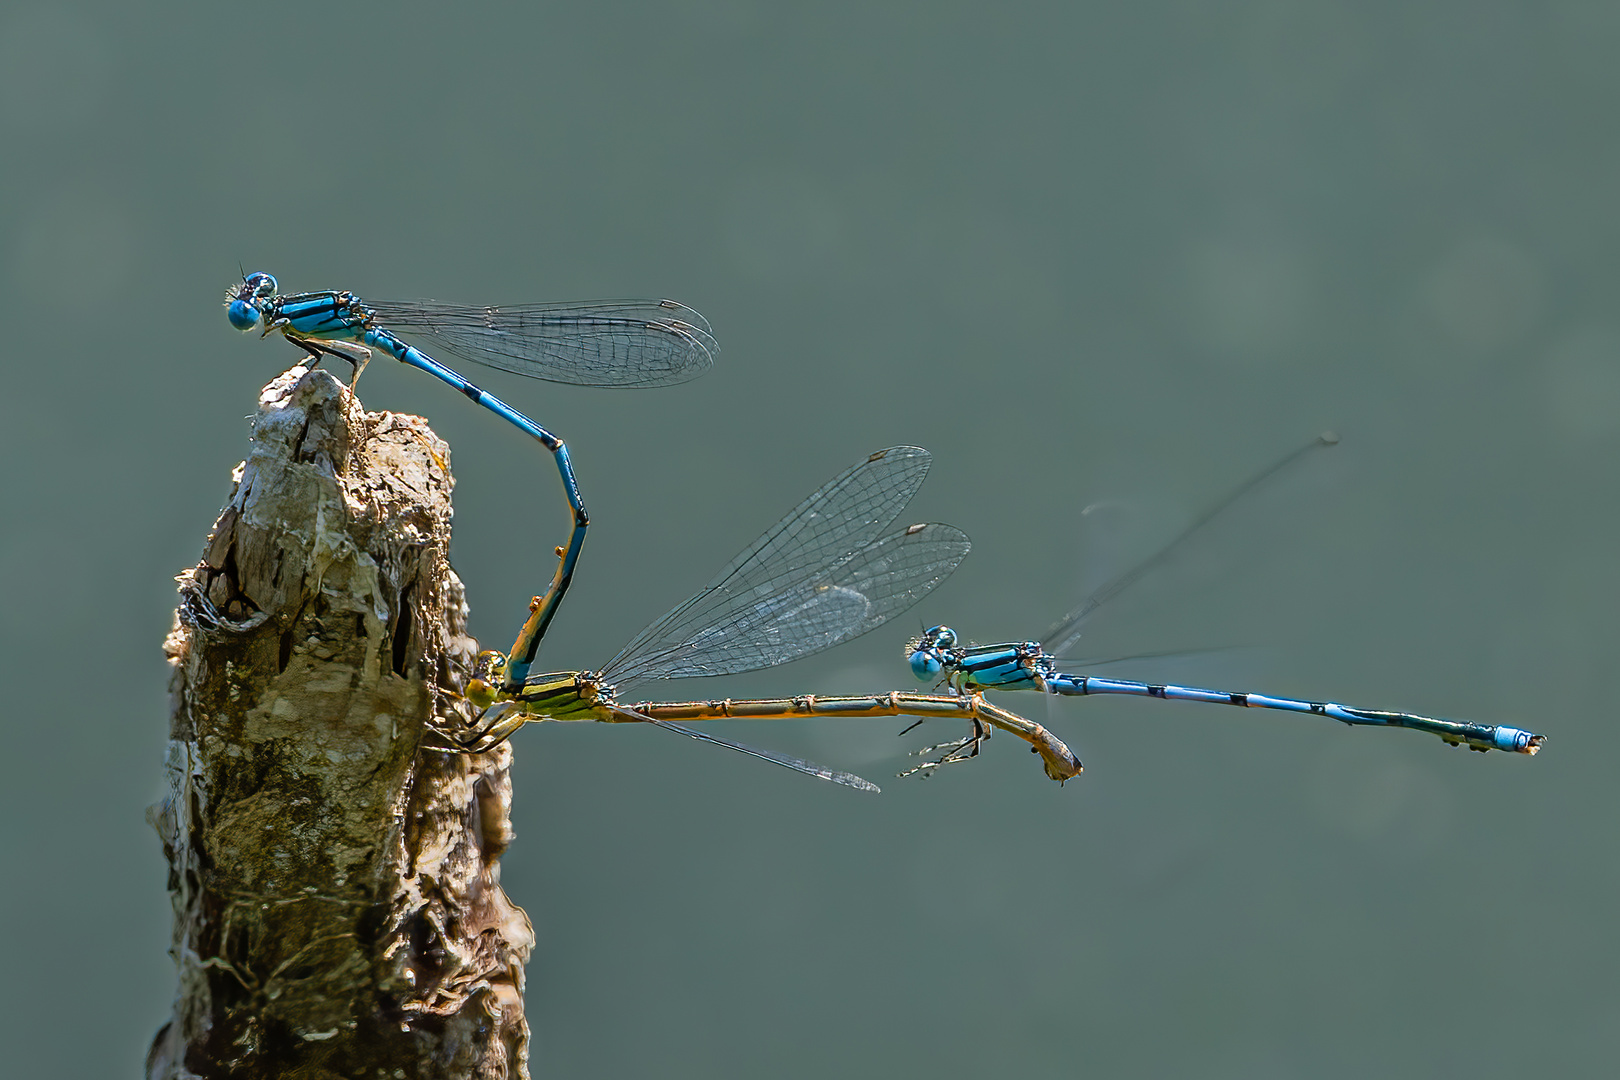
column 464, row 738
column 503, row 720
column 953, row 750
column 357, row 356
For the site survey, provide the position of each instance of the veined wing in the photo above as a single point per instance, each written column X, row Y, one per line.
column 787, row 761
column 818, row 577
column 609, row 343
column 1066, row 631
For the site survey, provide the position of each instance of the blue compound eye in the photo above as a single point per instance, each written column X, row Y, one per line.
column 243, row 315
column 259, row 285
column 925, row 664
column 246, row 302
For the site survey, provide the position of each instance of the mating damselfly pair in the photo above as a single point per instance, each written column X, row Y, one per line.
column 828, row 572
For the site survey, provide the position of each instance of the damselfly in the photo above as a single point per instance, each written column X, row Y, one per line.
column 822, row 575
column 607, row 343
column 939, row 655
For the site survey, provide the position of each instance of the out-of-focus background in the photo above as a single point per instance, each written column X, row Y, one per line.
column 1105, row 261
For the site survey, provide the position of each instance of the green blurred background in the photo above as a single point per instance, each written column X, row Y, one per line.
column 1109, row 256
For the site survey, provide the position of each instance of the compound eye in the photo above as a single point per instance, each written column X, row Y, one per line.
column 259, row 285
column 243, row 315
column 925, row 664
column 246, row 302
column 491, row 665
column 943, row 637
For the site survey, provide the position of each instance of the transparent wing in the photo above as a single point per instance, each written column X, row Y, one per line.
column 818, row 577
column 787, row 761
column 1126, row 658
column 1066, row 631
column 804, row 616
column 611, row 343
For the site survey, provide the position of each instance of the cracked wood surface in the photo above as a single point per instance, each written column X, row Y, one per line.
column 335, row 884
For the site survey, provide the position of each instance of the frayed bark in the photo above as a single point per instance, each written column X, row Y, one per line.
column 335, row 884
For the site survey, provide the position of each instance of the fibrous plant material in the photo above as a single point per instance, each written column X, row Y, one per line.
column 335, row 882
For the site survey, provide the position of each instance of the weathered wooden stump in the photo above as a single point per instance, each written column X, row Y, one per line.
column 335, row 882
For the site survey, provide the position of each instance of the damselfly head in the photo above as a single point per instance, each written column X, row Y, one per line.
column 245, row 303
column 489, row 671
column 928, row 652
